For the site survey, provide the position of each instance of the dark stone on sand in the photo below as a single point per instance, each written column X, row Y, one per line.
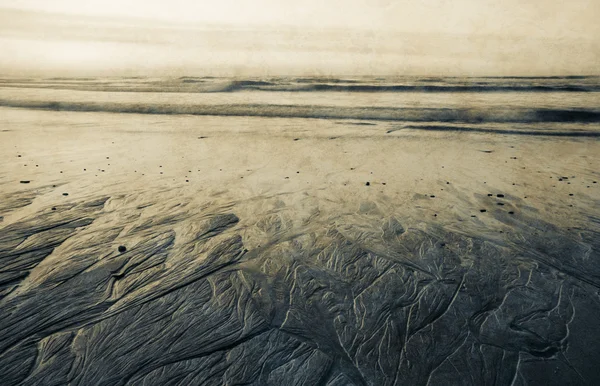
column 19, row 156
column 511, row 212
column 447, row 183
column 202, row 137
column 570, row 194
column 500, row 203
column 296, row 139
column 482, row 210
column 53, row 208
column 368, row 183
column 500, row 195
column 490, row 194
column 187, row 180
column 122, row 248
column 65, row 194
column 432, row 196
column 25, row 182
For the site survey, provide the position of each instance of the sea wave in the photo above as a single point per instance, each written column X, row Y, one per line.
column 507, row 131
column 370, row 113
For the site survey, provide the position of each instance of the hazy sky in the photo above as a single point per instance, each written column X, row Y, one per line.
column 262, row 37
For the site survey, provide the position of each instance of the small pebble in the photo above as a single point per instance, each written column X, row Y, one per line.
column 122, row 248
column 368, row 183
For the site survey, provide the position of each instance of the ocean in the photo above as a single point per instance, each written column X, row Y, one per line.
column 559, row 106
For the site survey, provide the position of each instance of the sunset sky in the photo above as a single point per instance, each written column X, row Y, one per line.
column 269, row 37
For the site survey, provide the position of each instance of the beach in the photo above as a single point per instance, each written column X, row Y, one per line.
column 268, row 231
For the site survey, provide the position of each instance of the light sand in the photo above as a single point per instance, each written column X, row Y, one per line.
column 245, row 160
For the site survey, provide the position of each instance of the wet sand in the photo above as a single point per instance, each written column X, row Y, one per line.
column 141, row 249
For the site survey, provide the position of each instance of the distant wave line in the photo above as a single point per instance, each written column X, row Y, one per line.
column 200, row 86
